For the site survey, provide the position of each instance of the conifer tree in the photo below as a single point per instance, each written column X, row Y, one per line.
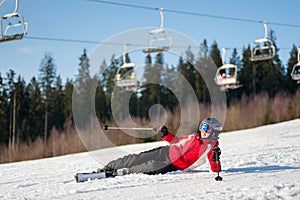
column 35, row 123
column 246, row 75
column 215, row 54
column 68, row 90
column 83, row 91
column 152, row 94
column 56, row 107
column 12, row 107
column 133, row 104
column 21, row 110
column 201, row 65
column 169, row 100
column 4, row 113
column 182, row 69
column 100, row 102
column 235, row 60
column 215, row 57
column 190, row 61
column 144, row 99
column 156, row 77
column 46, row 80
column 107, row 80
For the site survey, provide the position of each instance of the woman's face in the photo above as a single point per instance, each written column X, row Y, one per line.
column 205, row 130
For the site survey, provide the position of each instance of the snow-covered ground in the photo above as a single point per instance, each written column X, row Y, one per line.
column 259, row 163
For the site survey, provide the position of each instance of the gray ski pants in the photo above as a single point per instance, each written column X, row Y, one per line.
column 154, row 161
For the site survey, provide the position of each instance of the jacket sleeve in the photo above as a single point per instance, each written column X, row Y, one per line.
column 171, row 138
column 214, row 166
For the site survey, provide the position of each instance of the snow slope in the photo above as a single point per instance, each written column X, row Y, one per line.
column 259, row 163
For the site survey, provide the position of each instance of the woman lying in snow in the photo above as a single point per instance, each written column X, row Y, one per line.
column 184, row 153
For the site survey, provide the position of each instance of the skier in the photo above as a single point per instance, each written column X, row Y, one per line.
column 184, row 153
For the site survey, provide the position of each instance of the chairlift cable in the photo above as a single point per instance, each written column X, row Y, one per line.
column 123, row 4
column 109, row 43
column 194, row 13
column 2, row 2
column 62, row 39
column 77, row 41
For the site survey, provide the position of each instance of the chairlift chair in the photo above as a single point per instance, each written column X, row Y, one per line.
column 263, row 48
column 125, row 76
column 160, row 41
column 296, row 69
column 12, row 26
column 226, row 75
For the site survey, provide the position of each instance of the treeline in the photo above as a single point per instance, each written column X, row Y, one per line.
column 41, row 109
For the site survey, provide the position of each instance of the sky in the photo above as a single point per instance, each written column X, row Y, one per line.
column 86, row 20
column 257, row 163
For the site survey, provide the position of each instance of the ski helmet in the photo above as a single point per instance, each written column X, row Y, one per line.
column 216, row 126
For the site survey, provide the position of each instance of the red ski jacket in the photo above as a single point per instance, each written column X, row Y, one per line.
column 190, row 151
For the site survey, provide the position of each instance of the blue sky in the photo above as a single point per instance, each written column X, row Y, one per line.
column 92, row 21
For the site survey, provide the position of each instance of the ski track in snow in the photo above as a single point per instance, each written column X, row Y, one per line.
column 258, row 163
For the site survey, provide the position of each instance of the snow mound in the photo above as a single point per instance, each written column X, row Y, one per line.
column 258, row 163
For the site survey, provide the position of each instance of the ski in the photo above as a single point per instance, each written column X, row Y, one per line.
column 85, row 176
column 82, row 177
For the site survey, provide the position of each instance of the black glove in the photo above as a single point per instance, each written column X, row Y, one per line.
column 216, row 151
column 163, row 131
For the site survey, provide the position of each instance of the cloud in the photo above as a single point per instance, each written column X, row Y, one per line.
column 25, row 50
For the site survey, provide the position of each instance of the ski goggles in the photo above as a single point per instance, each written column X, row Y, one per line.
column 204, row 127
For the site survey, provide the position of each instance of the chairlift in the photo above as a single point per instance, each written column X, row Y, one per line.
column 263, row 48
column 12, row 25
column 160, row 41
column 226, row 75
column 296, row 69
column 125, row 76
